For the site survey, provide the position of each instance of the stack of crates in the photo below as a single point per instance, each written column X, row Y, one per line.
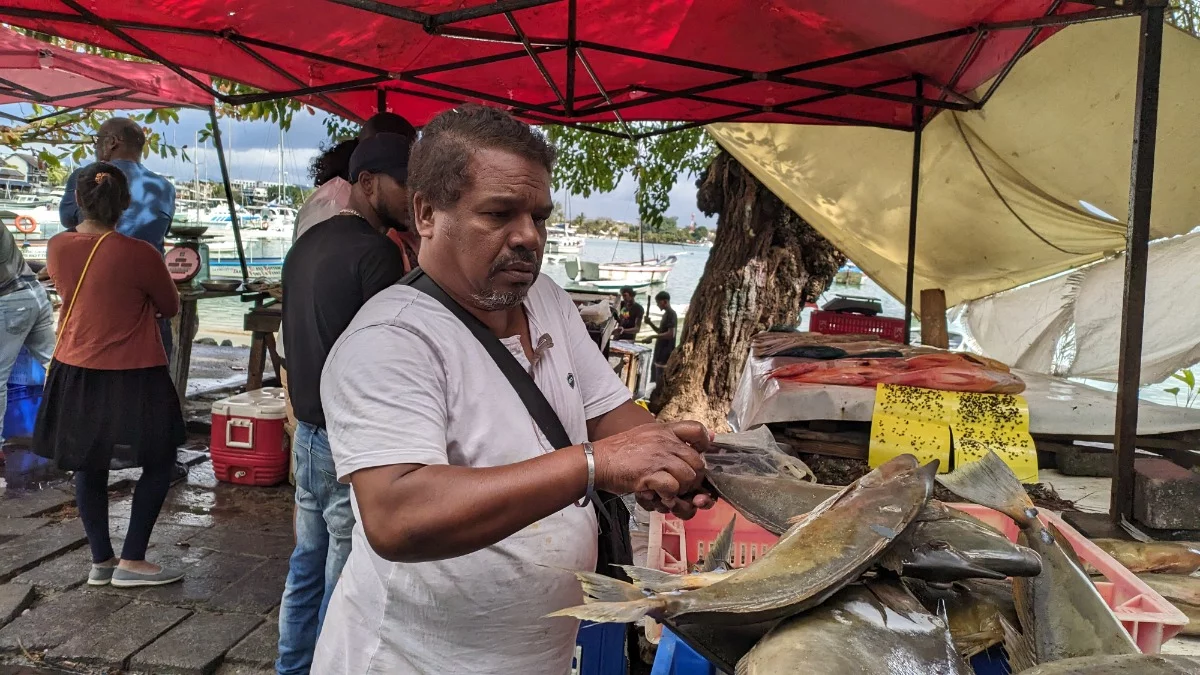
column 24, row 391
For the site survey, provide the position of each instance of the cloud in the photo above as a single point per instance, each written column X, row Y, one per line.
column 255, row 156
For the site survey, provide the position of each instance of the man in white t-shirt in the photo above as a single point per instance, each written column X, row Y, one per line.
column 466, row 517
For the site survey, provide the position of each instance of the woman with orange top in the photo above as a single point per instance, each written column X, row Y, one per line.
column 109, row 401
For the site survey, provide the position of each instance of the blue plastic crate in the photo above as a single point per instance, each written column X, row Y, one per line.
column 675, row 657
column 21, row 414
column 600, row 649
column 26, row 371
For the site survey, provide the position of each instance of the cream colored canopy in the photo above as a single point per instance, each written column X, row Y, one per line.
column 1001, row 189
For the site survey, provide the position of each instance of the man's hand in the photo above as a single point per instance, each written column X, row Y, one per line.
column 659, row 463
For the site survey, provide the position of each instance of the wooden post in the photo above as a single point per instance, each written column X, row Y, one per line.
column 933, row 319
column 183, row 331
column 258, row 361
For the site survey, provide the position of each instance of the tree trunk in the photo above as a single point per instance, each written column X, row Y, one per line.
column 766, row 261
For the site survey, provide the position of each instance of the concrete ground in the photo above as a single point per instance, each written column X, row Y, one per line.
column 232, row 541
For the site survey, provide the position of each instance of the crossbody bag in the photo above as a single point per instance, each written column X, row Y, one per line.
column 613, row 545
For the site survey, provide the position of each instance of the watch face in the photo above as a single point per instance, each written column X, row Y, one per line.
column 183, row 263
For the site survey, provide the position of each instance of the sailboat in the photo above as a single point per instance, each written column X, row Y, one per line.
column 613, row 275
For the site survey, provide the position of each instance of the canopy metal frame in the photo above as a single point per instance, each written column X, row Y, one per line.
column 925, row 95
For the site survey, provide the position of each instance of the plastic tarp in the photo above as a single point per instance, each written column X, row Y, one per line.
column 1001, row 189
column 1070, row 325
column 636, row 51
column 34, row 71
column 1056, row 405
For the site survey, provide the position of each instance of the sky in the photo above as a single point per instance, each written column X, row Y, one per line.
column 253, row 154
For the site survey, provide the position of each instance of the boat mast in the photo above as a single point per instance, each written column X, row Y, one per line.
column 196, row 175
column 279, row 197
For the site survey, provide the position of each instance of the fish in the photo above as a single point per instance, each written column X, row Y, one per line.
column 973, row 610
column 831, row 547
column 876, row 628
column 718, row 555
column 963, row 378
column 1060, row 607
column 1168, row 557
column 1139, row 664
column 942, row 545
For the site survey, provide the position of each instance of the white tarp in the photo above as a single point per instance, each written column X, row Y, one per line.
column 1056, row 405
column 1001, row 188
column 1079, row 316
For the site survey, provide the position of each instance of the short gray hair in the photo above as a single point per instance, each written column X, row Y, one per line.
column 438, row 165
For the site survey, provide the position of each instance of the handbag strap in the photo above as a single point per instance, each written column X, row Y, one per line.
column 535, row 401
column 62, row 326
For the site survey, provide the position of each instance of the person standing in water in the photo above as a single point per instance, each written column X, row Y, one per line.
column 109, row 401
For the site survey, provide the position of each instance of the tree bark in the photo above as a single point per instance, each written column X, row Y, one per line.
column 765, row 263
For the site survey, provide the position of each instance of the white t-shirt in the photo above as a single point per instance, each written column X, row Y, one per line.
column 323, row 204
column 407, row 383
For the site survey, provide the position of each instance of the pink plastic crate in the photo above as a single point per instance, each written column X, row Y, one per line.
column 675, row 545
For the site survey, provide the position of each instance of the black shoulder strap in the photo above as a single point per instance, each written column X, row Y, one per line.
column 533, row 398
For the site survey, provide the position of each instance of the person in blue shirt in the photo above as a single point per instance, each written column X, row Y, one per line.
column 120, row 142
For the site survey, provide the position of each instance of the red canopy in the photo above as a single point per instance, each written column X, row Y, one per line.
column 37, row 72
column 820, row 61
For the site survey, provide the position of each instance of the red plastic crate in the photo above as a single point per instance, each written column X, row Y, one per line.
column 675, row 545
column 839, row 323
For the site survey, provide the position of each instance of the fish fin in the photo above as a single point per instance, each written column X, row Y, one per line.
column 600, row 588
column 1023, row 604
column 1067, row 549
column 743, row 666
column 991, row 483
column 718, row 554
column 614, row 612
column 1018, row 646
column 650, row 579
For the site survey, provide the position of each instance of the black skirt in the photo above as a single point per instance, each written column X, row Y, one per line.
column 93, row 420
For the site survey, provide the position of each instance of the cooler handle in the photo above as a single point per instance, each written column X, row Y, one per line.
column 248, row 444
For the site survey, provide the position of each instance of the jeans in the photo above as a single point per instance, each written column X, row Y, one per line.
column 324, row 523
column 91, row 496
column 26, row 319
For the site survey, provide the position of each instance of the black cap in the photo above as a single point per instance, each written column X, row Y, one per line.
column 382, row 153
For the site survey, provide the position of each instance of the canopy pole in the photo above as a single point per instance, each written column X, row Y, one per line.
column 1141, row 190
column 381, row 100
column 233, row 219
column 918, row 127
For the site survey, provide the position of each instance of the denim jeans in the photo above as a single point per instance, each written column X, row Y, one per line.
column 324, row 523
column 26, row 319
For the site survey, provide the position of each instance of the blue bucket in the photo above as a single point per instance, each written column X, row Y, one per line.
column 675, row 657
column 26, row 371
column 600, row 649
column 21, row 414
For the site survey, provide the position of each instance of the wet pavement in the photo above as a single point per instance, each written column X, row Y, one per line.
column 232, row 542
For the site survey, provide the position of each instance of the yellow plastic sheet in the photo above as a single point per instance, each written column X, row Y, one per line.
column 929, row 424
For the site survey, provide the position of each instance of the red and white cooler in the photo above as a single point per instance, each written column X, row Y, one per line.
column 248, row 438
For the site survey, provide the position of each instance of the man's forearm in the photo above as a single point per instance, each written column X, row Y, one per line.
column 440, row 511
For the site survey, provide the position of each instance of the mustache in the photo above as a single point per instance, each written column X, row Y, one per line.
column 521, row 255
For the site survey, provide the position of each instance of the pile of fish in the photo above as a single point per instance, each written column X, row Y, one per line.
column 860, row 361
column 877, row 578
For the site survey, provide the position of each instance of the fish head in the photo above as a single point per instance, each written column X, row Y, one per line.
column 956, row 549
column 893, row 494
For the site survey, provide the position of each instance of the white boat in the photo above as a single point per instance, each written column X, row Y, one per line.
column 562, row 241
column 620, row 274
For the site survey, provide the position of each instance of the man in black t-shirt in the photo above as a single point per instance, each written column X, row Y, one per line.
column 664, row 342
column 329, row 274
column 629, row 317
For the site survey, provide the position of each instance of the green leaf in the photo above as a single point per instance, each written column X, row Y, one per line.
column 1174, row 391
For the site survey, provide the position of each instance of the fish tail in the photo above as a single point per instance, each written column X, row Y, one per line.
column 1020, row 649
column 600, row 588
column 615, row 612
column 991, row 483
column 718, row 555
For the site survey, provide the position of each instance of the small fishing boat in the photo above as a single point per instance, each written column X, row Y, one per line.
column 621, row 274
column 562, row 241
